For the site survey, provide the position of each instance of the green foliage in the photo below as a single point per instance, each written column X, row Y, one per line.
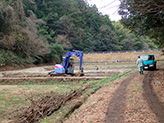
column 56, row 54
column 1, row 20
column 28, row 6
column 83, row 27
column 78, row 22
column 18, row 33
column 130, row 41
column 9, row 58
column 144, row 17
column 42, row 30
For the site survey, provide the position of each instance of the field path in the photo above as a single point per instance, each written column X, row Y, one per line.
column 116, row 106
column 145, row 101
column 151, row 97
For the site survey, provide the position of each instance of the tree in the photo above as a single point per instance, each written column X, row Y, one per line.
column 56, row 54
column 129, row 40
column 144, row 17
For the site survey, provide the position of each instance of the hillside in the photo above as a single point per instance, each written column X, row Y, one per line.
column 39, row 31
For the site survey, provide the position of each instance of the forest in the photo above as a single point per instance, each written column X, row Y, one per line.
column 42, row 31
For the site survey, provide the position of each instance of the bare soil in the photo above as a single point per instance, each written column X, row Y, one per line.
column 94, row 110
column 158, row 84
column 152, row 99
column 136, row 99
column 117, row 103
column 41, row 74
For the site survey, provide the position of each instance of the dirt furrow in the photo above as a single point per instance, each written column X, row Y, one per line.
column 151, row 97
column 44, row 79
column 116, row 106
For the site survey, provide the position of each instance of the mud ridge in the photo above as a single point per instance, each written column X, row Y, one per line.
column 45, row 79
column 116, row 106
column 151, row 97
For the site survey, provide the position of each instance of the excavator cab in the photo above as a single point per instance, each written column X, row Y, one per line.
column 70, row 68
column 60, row 69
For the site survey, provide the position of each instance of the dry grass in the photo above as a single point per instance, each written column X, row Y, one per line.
column 158, row 85
column 111, row 57
column 94, row 110
column 137, row 108
column 45, row 106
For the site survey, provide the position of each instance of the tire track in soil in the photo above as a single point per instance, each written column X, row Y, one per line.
column 117, row 104
column 151, row 97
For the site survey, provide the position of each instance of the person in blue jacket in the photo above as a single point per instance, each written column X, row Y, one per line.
column 140, row 65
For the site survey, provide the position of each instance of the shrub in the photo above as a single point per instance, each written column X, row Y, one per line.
column 9, row 58
column 56, row 54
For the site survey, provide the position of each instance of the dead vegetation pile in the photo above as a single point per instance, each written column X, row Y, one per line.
column 43, row 107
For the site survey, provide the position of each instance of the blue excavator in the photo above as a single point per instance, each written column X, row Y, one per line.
column 67, row 67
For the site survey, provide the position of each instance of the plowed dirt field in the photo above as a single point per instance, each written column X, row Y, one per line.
column 131, row 98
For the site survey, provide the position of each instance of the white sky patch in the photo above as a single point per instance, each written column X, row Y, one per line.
column 108, row 7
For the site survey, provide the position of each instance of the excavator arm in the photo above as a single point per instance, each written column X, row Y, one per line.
column 67, row 58
column 63, row 68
